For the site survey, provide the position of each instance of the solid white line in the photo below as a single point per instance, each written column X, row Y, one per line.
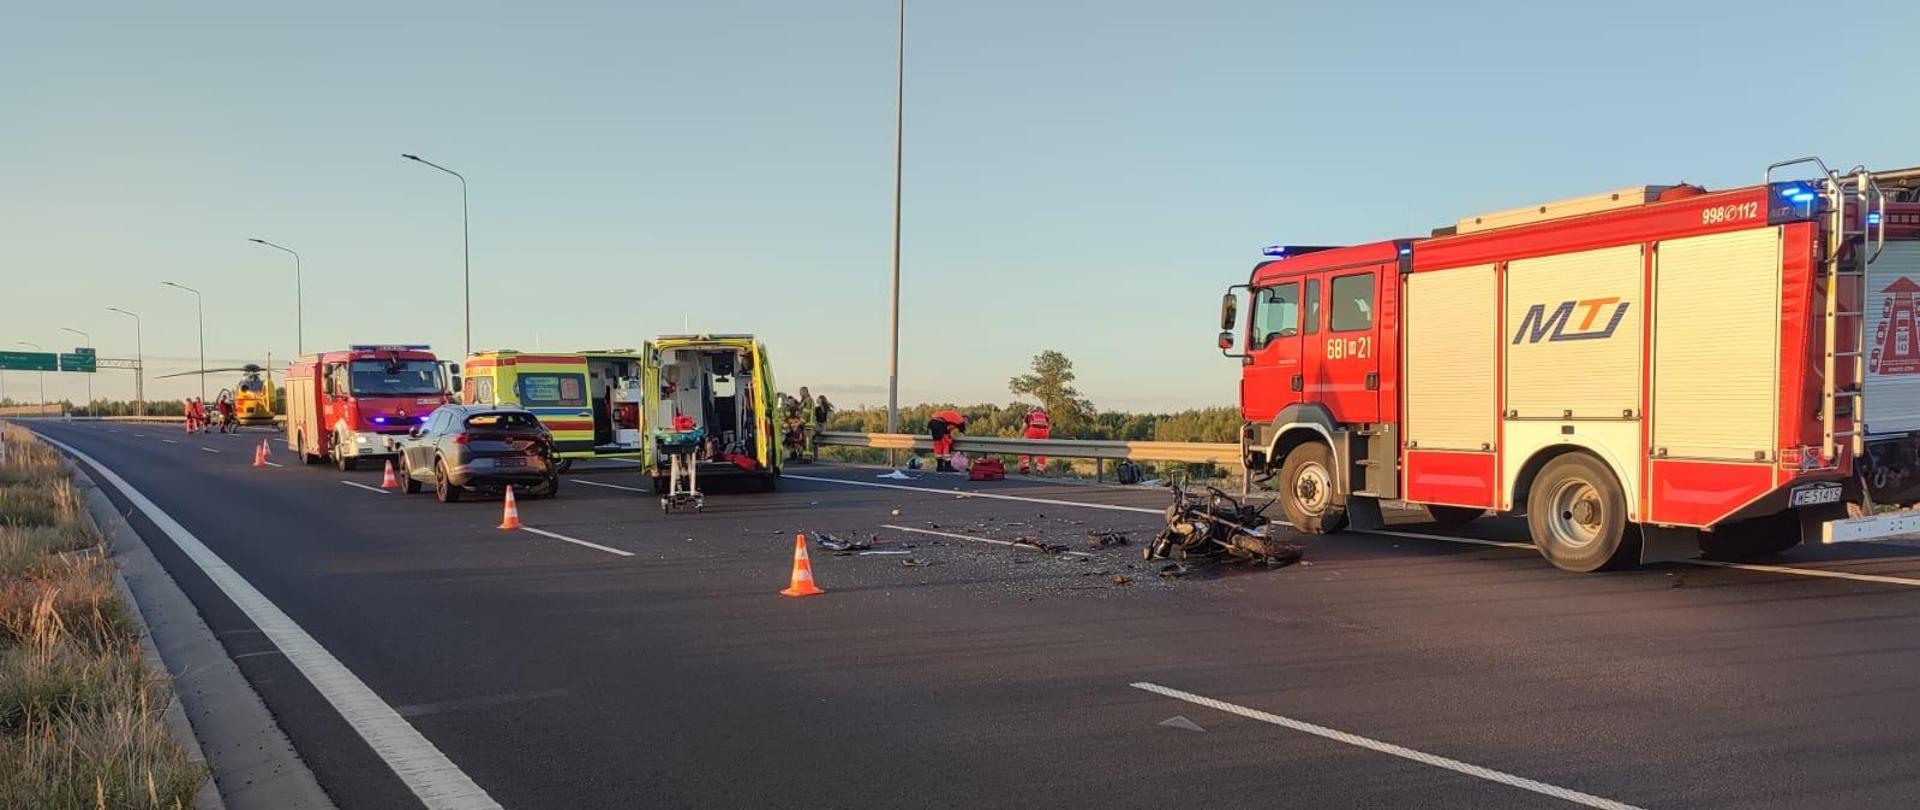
column 1810, row 572
column 577, row 542
column 273, row 464
column 1401, row 751
column 432, row 777
column 375, row 490
column 991, row 495
column 977, row 539
column 209, row 449
column 609, row 486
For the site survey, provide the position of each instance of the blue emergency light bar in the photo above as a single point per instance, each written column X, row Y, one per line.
column 1288, row 251
column 390, row 347
column 1792, row 201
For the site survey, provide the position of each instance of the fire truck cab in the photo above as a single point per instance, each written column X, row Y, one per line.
column 358, row 404
column 1652, row 373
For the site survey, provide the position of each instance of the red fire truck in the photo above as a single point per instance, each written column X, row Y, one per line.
column 358, row 403
column 1652, row 373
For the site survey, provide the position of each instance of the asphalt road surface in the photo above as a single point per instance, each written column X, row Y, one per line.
column 628, row 658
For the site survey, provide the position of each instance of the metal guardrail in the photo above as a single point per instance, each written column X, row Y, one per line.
column 1191, row 452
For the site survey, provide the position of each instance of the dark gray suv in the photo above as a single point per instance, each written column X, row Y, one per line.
column 482, row 449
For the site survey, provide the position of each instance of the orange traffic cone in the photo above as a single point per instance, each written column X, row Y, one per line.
column 802, row 571
column 258, row 459
column 266, row 452
column 387, row 481
column 511, row 519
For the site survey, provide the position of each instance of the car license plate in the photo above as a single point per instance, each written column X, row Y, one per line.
column 511, row 461
column 1812, row 494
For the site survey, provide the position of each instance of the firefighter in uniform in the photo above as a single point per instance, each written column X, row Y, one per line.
column 1038, row 426
column 808, row 424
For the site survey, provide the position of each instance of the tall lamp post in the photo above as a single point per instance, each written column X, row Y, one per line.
column 42, row 410
column 139, row 366
column 299, row 308
column 200, row 313
column 899, row 130
column 466, row 244
column 89, row 344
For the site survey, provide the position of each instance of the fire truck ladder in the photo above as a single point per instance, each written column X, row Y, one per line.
column 1849, row 199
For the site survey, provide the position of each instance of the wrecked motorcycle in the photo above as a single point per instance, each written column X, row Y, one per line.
column 1211, row 523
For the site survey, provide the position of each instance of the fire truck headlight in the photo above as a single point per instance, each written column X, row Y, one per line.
column 360, row 439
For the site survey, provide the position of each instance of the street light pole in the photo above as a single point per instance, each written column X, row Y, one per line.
column 42, row 410
column 899, row 130
column 299, row 307
column 89, row 339
column 466, row 244
column 139, row 366
column 200, row 313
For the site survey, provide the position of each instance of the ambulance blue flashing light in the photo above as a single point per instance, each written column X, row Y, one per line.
column 1276, row 251
column 1873, row 218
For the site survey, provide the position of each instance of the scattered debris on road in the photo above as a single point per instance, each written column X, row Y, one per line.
column 913, row 562
column 1123, row 579
column 832, row 543
column 1181, row 722
column 897, row 475
column 1102, row 538
column 1036, row 543
column 1173, row 570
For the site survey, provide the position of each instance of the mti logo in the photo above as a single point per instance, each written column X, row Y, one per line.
column 1539, row 324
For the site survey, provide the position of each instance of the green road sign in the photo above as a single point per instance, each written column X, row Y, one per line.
column 29, row 361
column 82, row 360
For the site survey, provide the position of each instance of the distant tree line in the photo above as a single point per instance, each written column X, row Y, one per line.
column 1049, row 382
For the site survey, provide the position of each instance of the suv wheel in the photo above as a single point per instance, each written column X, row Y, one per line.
column 443, row 487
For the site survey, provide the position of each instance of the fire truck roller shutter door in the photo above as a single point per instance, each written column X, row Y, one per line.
column 1573, row 343
column 1893, row 360
column 1452, row 417
column 1573, row 335
column 1716, row 346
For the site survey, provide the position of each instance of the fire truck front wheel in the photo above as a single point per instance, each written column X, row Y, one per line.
column 1307, row 490
column 1577, row 514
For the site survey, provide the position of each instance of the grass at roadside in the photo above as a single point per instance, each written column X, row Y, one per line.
column 81, row 715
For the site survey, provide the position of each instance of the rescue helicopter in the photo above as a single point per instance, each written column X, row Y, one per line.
column 253, row 395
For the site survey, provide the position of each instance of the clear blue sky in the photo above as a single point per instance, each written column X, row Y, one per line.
column 1085, row 176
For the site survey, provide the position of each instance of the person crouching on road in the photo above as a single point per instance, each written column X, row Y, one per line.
column 1038, row 426
column 942, row 428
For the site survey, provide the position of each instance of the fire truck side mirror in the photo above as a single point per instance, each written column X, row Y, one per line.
column 1226, row 341
column 1229, row 312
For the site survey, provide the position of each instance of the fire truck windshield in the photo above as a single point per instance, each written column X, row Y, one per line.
column 380, row 378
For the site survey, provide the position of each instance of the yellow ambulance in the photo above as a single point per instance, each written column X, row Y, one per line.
column 724, row 384
column 591, row 401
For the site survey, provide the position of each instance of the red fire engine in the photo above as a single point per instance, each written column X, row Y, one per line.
column 1651, row 373
column 358, row 403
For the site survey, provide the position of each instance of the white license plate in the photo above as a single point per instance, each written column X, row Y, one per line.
column 1813, row 494
column 510, row 462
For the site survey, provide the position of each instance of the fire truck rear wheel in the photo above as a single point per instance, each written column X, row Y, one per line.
column 1307, row 490
column 1577, row 514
